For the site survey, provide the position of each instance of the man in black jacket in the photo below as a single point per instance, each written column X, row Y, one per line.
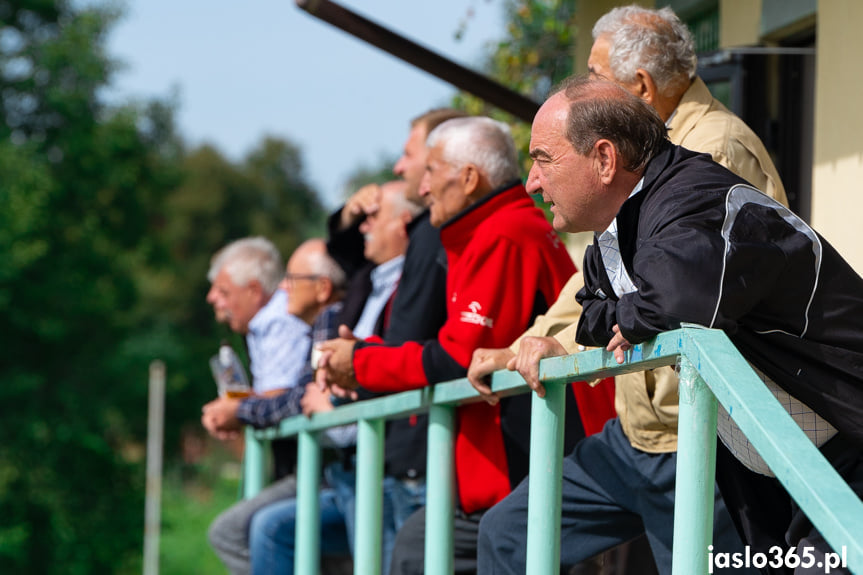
column 417, row 311
column 665, row 217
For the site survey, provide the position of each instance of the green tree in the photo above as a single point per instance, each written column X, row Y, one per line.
column 80, row 186
column 534, row 55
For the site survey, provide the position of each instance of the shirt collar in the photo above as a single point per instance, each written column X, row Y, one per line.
column 387, row 273
column 670, row 118
column 612, row 229
column 277, row 304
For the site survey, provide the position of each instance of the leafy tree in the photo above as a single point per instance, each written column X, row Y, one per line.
column 534, row 55
column 106, row 229
column 83, row 185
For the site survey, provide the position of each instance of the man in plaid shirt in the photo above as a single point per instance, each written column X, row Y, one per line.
column 315, row 284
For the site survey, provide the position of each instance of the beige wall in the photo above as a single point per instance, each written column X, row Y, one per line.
column 739, row 21
column 837, row 185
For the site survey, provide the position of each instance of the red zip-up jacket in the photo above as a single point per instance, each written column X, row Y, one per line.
column 505, row 265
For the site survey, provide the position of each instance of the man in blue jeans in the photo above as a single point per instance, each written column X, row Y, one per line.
column 273, row 528
column 316, row 284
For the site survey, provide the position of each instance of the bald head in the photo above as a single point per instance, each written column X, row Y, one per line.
column 602, row 109
column 590, row 142
column 313, row 280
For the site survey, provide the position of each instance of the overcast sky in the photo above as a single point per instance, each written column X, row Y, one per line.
column 246, row 69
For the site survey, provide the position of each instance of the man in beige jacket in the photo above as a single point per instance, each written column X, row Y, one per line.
column 651, row 54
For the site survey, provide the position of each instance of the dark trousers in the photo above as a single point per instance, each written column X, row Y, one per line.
column 409, row 549
column 612, row 493
column 766, row 516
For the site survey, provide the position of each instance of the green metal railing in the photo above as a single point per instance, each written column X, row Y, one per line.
column 711, row 370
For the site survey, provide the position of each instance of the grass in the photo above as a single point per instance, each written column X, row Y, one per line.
column 192, row 496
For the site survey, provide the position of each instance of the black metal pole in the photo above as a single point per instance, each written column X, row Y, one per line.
column 481, row 86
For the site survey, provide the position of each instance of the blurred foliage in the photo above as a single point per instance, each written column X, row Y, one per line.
column 106, row 229
column 193, row 495
column 534, row 54
column 107, row 225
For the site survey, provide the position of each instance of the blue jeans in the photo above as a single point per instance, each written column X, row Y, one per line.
column 272, row 530
column 402, row 497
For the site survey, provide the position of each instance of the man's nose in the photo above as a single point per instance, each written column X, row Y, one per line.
column 398, row 168
column 532, row 184
column 425, row 186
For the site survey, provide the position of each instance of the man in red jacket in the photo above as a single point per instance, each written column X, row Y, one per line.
column 505, row 265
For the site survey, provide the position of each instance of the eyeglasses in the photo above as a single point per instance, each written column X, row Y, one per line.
column 289, row 277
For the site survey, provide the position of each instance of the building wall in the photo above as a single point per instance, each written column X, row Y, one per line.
column 739, row 22
column 837, row 193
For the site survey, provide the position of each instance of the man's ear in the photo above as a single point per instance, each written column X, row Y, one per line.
column 645, row 87
column 470, row 179
column 256, row 288
column 606, row 158
column 406, row 218
column 324, row 291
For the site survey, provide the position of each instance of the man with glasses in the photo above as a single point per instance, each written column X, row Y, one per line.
column 311, row 290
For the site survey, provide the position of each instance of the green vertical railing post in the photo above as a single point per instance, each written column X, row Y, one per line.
column 254, row 463
column 696, row 473
column 307, row 535
column 440, row 491
column 546, row 472
column 369, row 506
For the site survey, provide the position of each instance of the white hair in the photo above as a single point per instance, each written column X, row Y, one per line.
column 249, row 259
column 400, row 201
column 480, row 141
column 653, row 40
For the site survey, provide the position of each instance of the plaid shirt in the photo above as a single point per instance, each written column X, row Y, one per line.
column 268, row 411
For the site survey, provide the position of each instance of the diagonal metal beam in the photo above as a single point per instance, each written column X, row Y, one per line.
column 463, row 78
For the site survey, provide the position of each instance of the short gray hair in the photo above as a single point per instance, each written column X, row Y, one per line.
column 249, row 259
column 653, row 40
column 481, row 141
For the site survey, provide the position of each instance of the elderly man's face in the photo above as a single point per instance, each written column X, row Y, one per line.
column 443, row 187
column 214, row 298
column 566, row 179
column 597, row 61
column 412, row 164
column 599, row 66
column 303, row 286
column 236, row 304
column 384, row 231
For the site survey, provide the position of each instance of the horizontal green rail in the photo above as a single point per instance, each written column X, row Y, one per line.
column 711, row 371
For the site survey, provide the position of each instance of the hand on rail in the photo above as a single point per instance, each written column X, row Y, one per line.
column 364, row 202
column 315, row 401
column 618, row 345
column 323, row 383
column 483, row 363
column 219, row 418
column 526, row 362
column 335, row 367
